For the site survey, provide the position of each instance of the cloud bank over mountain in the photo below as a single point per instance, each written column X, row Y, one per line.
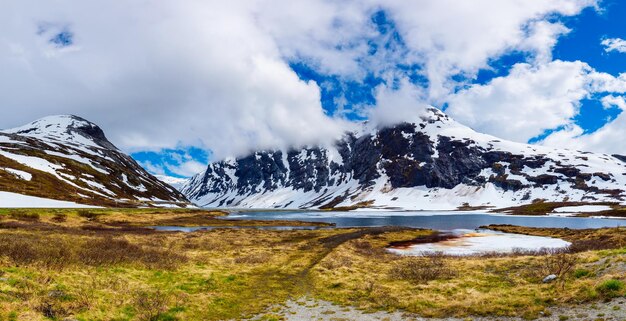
column 220, row 75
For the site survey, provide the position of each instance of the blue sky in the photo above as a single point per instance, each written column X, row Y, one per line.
column 178, row 162
column 588, row 29
column 179, row 84
column 583, row 43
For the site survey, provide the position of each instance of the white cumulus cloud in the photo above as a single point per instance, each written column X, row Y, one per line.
column 532, row 100
column 614, row 44
column 525, row 103
column 608, row 139
column 216, row 74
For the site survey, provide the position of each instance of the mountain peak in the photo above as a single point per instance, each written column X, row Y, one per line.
column 68, row 128
column 434, row 163
column 68, row 158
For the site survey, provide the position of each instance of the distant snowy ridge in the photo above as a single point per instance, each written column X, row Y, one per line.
column 68, row 158
column 433, row 164
column 175, row 182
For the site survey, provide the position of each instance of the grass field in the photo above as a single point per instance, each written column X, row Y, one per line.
column 540, row 207
column 107, row 265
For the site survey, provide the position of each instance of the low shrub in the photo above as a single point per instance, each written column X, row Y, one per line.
column 559, row 263
column 59, row 218
column 111, row 251
column 150, row 305
column 23, row 249
column 58, row 252
column 422, row 269
column 591, row 245
column 90, row 216
column 24, row 216
column 367, row 249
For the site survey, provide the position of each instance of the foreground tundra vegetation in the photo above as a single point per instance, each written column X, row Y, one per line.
column 108, row 265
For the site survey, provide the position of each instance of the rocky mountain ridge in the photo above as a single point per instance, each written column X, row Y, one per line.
column 433, row 164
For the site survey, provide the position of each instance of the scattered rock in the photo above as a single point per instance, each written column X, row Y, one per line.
column 56, row 294
column 549, row 278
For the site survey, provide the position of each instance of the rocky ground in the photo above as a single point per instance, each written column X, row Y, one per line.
column 307, row 309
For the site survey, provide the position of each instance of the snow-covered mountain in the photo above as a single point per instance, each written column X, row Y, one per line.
column 67, row 158
column 435, row 163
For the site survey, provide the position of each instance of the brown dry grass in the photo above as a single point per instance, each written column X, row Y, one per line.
column 541, row 207
column 108, row 267
column 581, row 239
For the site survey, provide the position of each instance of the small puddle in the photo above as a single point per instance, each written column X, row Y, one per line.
column 208, row 228
column 476, row 242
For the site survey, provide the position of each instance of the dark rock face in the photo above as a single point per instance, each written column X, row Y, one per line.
column 458, row 162
column 308, row 174
column 404, row 154
column 360, row 158
column 620, row 157
column 568, row 171
column 263, row 172
column 544, row 179
column 89, row 129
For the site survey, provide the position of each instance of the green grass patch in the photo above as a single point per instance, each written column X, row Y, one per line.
column 610, row 288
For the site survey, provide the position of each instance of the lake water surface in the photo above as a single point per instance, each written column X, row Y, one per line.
column 430, row 220
column 174, row 228
column 467, row 243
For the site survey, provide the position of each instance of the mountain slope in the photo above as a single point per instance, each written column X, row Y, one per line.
column 436, row 163
column 68, row 158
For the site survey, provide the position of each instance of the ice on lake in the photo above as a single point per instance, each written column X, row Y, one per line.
column 475, row 242
column 582, row 209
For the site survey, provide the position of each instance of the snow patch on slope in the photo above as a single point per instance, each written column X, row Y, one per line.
column 13, row 200
column 20, row 174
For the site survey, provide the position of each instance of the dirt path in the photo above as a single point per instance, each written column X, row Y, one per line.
column 307, row 309
column 332, row 242
column 300, row 284
column 329, row 244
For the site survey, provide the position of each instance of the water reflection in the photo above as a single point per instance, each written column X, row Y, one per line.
column 208, row 228
column 430, row 220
